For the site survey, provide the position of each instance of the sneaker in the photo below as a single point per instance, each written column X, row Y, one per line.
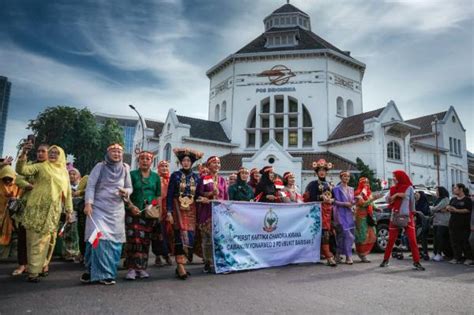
column 207, row 268
column 426, row 257
column 455, row 262
column 469, row 262
column 438, row 257
column 142, row 274
column 158, row 261
column 384, row 264
column 107, row 282
column 418, row 266
column 86, row 278
column 131, row 274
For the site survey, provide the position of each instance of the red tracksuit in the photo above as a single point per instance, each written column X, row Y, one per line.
column 410, row 232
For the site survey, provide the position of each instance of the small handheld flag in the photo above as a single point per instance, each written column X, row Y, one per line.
column 95, row 236
column 61, row 231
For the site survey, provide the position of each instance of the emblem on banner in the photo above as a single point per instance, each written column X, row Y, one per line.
column 270, row 221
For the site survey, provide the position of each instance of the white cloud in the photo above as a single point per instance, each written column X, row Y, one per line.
column 413, row 50
column 16, row 130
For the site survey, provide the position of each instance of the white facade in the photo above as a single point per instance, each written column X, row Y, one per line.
column 289, row 93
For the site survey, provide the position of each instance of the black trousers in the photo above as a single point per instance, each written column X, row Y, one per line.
column 460, row 241
column 21, row 245
column 159, row 241
column 81, row 229
column 442, row 243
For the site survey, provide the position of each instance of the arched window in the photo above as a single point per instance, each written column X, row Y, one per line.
column 340, row 106
column 217, row 113
column 394, row 151
column 286, row 125
column 167, row 152
column 350, row 108
column 224, row 110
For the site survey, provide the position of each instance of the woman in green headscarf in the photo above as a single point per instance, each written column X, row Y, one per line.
column 52, row 191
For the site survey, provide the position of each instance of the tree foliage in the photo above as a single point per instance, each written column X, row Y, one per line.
column 77, row 132
column 365, row 171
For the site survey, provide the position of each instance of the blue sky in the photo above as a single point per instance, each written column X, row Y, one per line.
column 154, row 54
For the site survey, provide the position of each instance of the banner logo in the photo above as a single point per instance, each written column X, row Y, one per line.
column 270, row 221
column 278, row 75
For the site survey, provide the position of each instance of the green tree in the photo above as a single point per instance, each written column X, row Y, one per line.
column 365, row 171
column 110, row 133
column 77, row 132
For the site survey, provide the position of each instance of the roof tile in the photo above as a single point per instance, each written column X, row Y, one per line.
column 205, row 129
column 353, row 125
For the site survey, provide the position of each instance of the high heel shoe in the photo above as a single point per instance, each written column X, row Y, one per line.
column 182, row 276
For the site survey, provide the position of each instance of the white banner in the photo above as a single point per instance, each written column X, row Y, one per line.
column 249, row 235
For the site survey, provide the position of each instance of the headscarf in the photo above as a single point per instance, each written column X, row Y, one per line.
column 112, row 171
column 286, row 175
column 363, row 187
column 239, row 180
column 266, row 184
column 7, row 171
column 252, row 182
column 422, row 204
column 164, row 175
column 58, row 172
column 403, row 183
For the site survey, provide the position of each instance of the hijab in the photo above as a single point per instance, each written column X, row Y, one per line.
column 58, row 172
column 112, row 171
column 422, row 203
column 403, row 183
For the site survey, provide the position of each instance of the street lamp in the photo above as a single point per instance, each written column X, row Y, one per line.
column 142, row 123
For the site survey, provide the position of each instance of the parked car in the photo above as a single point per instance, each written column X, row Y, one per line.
column 382, row 215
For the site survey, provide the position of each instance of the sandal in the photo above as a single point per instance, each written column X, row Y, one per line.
column 349, row 262
column 19, row 271
column 158, row 261
column 364, row 259
column 331, row 262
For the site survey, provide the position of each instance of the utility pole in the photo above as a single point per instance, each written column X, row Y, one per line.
column 437, row 148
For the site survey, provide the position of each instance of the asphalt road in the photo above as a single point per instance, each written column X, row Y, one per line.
column 299, row 289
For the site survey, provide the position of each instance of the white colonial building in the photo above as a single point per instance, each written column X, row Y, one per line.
column 290, row 97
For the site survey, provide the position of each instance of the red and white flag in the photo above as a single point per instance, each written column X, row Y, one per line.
column 95, row 238
column 207, row 180
column 61, row 231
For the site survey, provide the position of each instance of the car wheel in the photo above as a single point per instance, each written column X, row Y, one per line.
column 382, row 237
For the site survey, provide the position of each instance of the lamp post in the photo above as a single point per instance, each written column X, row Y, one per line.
column 437, row 148
column 142, row 123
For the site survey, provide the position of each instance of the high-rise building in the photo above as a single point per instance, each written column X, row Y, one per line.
column 5, row 87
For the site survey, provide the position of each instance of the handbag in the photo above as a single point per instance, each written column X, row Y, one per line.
column 153, row 211
column 14, row 205
column 400, row 220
